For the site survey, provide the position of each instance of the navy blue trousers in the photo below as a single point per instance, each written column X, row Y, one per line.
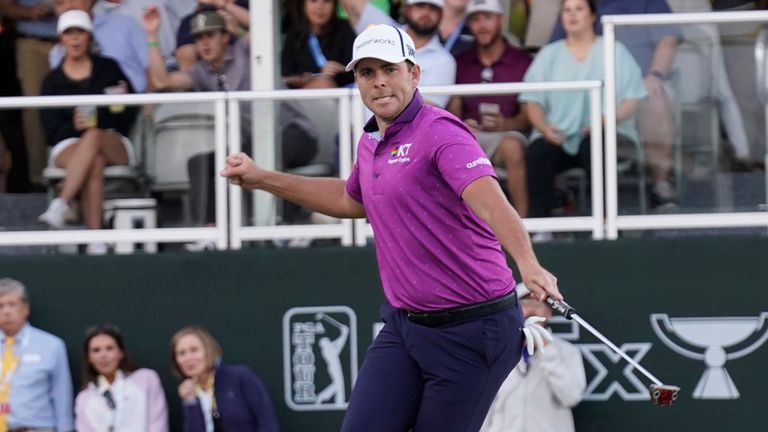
column 433, row 379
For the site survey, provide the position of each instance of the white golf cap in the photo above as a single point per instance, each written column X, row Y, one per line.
column 383, row 42
column 438, row 3
column 74, row 19
column 490, row 6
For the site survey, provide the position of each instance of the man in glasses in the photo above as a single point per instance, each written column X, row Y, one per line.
column 496, row 121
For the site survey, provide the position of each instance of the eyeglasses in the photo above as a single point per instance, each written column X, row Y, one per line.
column 486, row 75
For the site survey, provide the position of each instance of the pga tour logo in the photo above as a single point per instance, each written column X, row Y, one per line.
column 319, row 357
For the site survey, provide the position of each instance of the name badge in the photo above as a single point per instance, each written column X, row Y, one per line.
column 31, row 358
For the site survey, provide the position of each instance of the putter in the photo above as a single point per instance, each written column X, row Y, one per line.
column 661, row 394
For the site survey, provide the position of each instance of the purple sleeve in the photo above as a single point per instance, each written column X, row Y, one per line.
column 353, row 185
column 193, row 417
column 461, row 161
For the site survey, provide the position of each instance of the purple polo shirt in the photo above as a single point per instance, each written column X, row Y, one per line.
column 510, row 67
column 433, row 251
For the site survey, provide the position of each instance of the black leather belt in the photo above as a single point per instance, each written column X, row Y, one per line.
column 463, row 313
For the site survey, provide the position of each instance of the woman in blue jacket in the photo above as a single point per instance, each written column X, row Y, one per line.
column 218, row 397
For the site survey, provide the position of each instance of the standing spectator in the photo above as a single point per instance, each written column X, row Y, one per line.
column 540, row 392
column 218, row 396
column 14, row 167
column 85, row 140
column 454, row 32
column 654, row 50
column 561, row 138
column 118, row 36
column 422, row 18
column 172, row 11
column 39, row 394
column 186, row 53
column 36, row 26
column 317, row 47
column 496, row 121
column 116, row 396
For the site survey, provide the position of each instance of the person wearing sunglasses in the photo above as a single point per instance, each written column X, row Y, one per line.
column 116, row 396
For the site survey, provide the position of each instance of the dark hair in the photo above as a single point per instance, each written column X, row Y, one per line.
column 108, row 329
column 591, row 3
column 211, row 347
column 300, row 24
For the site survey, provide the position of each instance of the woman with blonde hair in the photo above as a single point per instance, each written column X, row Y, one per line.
column 217, row 397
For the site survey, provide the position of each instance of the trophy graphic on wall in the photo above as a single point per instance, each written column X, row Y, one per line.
column 714, row 340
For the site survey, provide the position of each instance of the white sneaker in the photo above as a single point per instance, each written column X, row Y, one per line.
column 56, row 214
column 200, row 245
column 542, row 237
column 96, row 249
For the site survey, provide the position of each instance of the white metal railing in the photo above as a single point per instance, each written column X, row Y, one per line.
column 217, row 233
column 614, row 222
column 230, row 231
column 594, row 222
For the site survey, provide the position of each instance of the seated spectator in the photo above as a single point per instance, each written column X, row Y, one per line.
column 422, row 18
column 217, row 396
column 118, row 36
column 318, row 46
column 496, row 121
column 84, row 140
column 116, row 396
column 39, row 397
column 185, row 53
column 653, row 48
column 225, row 67
column 541, row 390
column 561, row 138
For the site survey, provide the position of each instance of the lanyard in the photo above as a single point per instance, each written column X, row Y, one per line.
column 208, row 404
column 115, row 399
column 453, row 37
column 316, row 51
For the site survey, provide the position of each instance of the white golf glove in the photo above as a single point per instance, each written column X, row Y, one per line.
column 535, row 335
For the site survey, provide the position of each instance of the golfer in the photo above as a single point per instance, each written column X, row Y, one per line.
column 453, row 325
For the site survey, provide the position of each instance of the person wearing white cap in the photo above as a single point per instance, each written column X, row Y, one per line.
column 497, row 121
column 87, row 139
column 453, row 325
column 422, row 18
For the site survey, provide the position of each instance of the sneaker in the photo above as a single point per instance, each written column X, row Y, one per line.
column 663, row 196
column 542, row 237
column 96, row 249
column 200, row 246
column 56, row 214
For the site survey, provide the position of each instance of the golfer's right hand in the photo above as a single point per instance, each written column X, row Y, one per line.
column 241, row 171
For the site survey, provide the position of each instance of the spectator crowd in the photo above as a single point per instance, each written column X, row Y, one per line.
column 70, row 47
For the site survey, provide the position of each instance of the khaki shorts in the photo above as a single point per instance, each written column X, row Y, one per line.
column 489, row 141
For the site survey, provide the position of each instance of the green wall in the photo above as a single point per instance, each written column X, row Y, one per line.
column 243, row 298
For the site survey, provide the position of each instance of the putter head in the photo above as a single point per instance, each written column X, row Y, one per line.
column 664, row 394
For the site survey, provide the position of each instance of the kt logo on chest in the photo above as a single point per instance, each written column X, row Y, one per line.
column 399, row 154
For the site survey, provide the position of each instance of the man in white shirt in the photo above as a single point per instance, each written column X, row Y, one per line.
column 422, row 18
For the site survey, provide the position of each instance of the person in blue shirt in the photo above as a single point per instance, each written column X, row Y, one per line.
column 34, row 367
